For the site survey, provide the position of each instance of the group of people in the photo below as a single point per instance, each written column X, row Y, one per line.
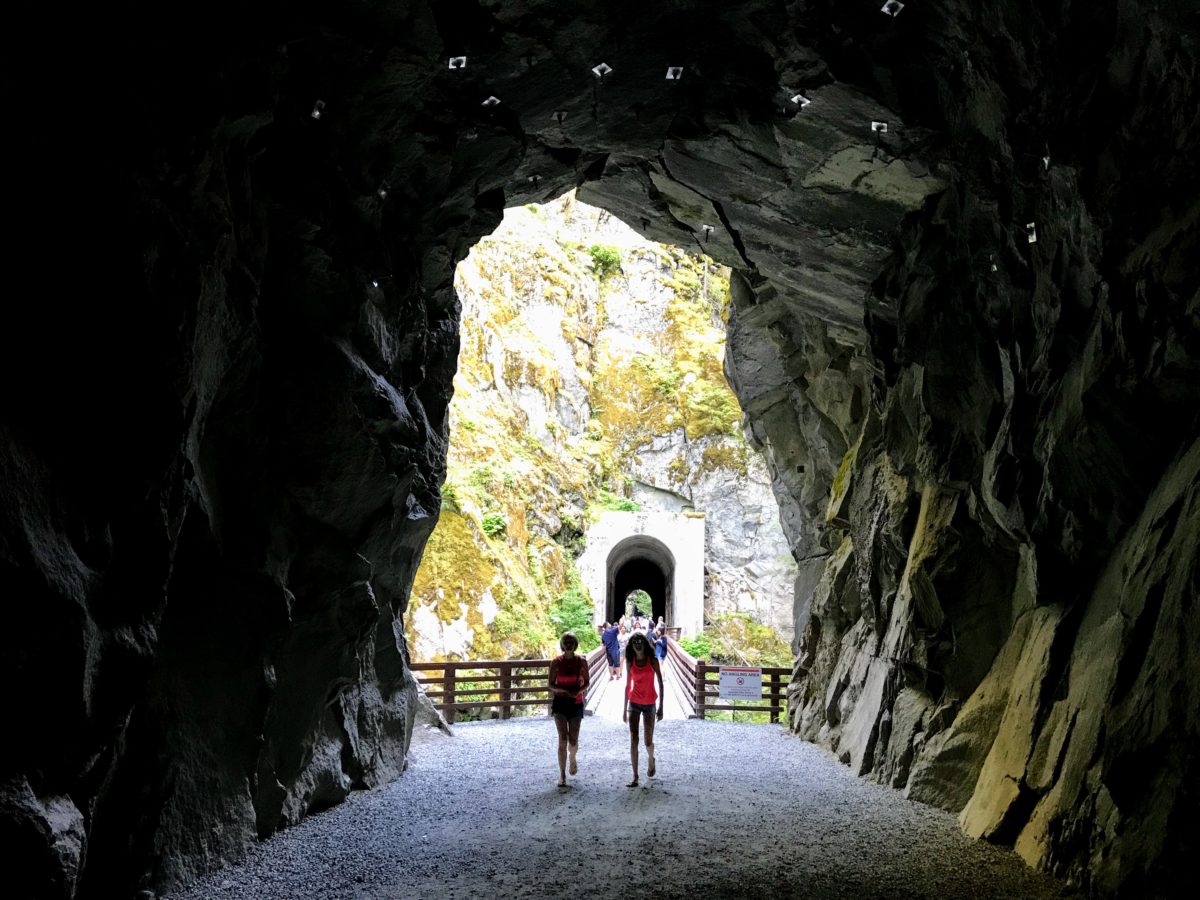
column 616, row 635
column 643, row 703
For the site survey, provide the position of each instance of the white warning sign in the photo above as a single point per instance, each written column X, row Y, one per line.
column 740, row 683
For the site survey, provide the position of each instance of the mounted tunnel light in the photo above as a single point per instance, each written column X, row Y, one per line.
column 800, row 100
column 317, row 108
column 879, row 127
column 892, row 8
column 491, row 102
column 1031, row 232
column 674, row 73
column 601, row 70
column 458, row 62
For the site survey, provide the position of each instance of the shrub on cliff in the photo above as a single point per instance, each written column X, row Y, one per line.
column 606, row 260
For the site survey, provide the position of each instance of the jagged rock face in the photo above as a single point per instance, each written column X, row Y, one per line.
column 220, row 453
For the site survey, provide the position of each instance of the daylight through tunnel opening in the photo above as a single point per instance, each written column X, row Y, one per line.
column 641, row 563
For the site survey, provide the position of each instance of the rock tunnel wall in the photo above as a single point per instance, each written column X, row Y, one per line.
column 226, row 377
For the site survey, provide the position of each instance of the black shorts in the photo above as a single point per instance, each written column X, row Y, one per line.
column 647, row 708
column 566, row 706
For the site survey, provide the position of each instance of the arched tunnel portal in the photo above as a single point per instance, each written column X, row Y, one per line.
column 660, row 552
column 644, row 563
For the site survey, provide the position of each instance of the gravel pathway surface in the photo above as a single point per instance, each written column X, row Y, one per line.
column 736, row 811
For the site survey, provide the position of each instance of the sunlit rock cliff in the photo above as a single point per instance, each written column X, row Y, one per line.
column 590, row 378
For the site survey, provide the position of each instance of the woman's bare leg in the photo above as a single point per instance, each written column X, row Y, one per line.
column 634, row 716
column 560, row 722
column 573, row 741
column 650, row 744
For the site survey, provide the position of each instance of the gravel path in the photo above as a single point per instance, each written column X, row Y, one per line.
column 737, row 811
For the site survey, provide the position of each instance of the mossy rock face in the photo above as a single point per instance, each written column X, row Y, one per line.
column 456, row 571
column 553, row 404
column 736, row 639
column 730, row 456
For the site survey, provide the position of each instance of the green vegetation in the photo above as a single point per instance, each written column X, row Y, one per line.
column 572, row 611
column 606, row 260
column 609, row 500
column 482, row 476
column 735, row 639
column 698, row 646
column 641, row 600
column 494, row 523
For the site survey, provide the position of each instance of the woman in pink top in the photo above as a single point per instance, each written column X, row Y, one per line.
column 640, row 697
column 568, row 687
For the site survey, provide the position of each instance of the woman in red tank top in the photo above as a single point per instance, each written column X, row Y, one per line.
column 640, row 697
column 568, row 686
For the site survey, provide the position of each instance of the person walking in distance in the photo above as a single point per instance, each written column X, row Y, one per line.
column 660, row 644
column 612, row 650
column 640, row 697
column 568, row 686
column 622, row 644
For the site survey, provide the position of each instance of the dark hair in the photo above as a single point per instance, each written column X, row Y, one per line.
column 630, row 653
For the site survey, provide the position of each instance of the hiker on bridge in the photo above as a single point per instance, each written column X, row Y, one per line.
column 640, row 697
column 612, row 650
column 622, row 645
column 660, row 643
column 568, row 687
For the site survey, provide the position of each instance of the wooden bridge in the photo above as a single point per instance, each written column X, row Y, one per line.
column 498, row 687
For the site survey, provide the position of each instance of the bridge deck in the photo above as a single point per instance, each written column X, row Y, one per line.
column 607, row 702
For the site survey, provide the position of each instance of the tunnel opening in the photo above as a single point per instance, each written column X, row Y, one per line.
column 641, row 563
column 591, row 403
column 286, row 214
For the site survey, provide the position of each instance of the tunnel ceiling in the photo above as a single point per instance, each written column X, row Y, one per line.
column 967, row 345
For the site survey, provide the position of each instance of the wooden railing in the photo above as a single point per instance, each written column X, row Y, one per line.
column 507, row 683
column 684, row 665
column 703, row 680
